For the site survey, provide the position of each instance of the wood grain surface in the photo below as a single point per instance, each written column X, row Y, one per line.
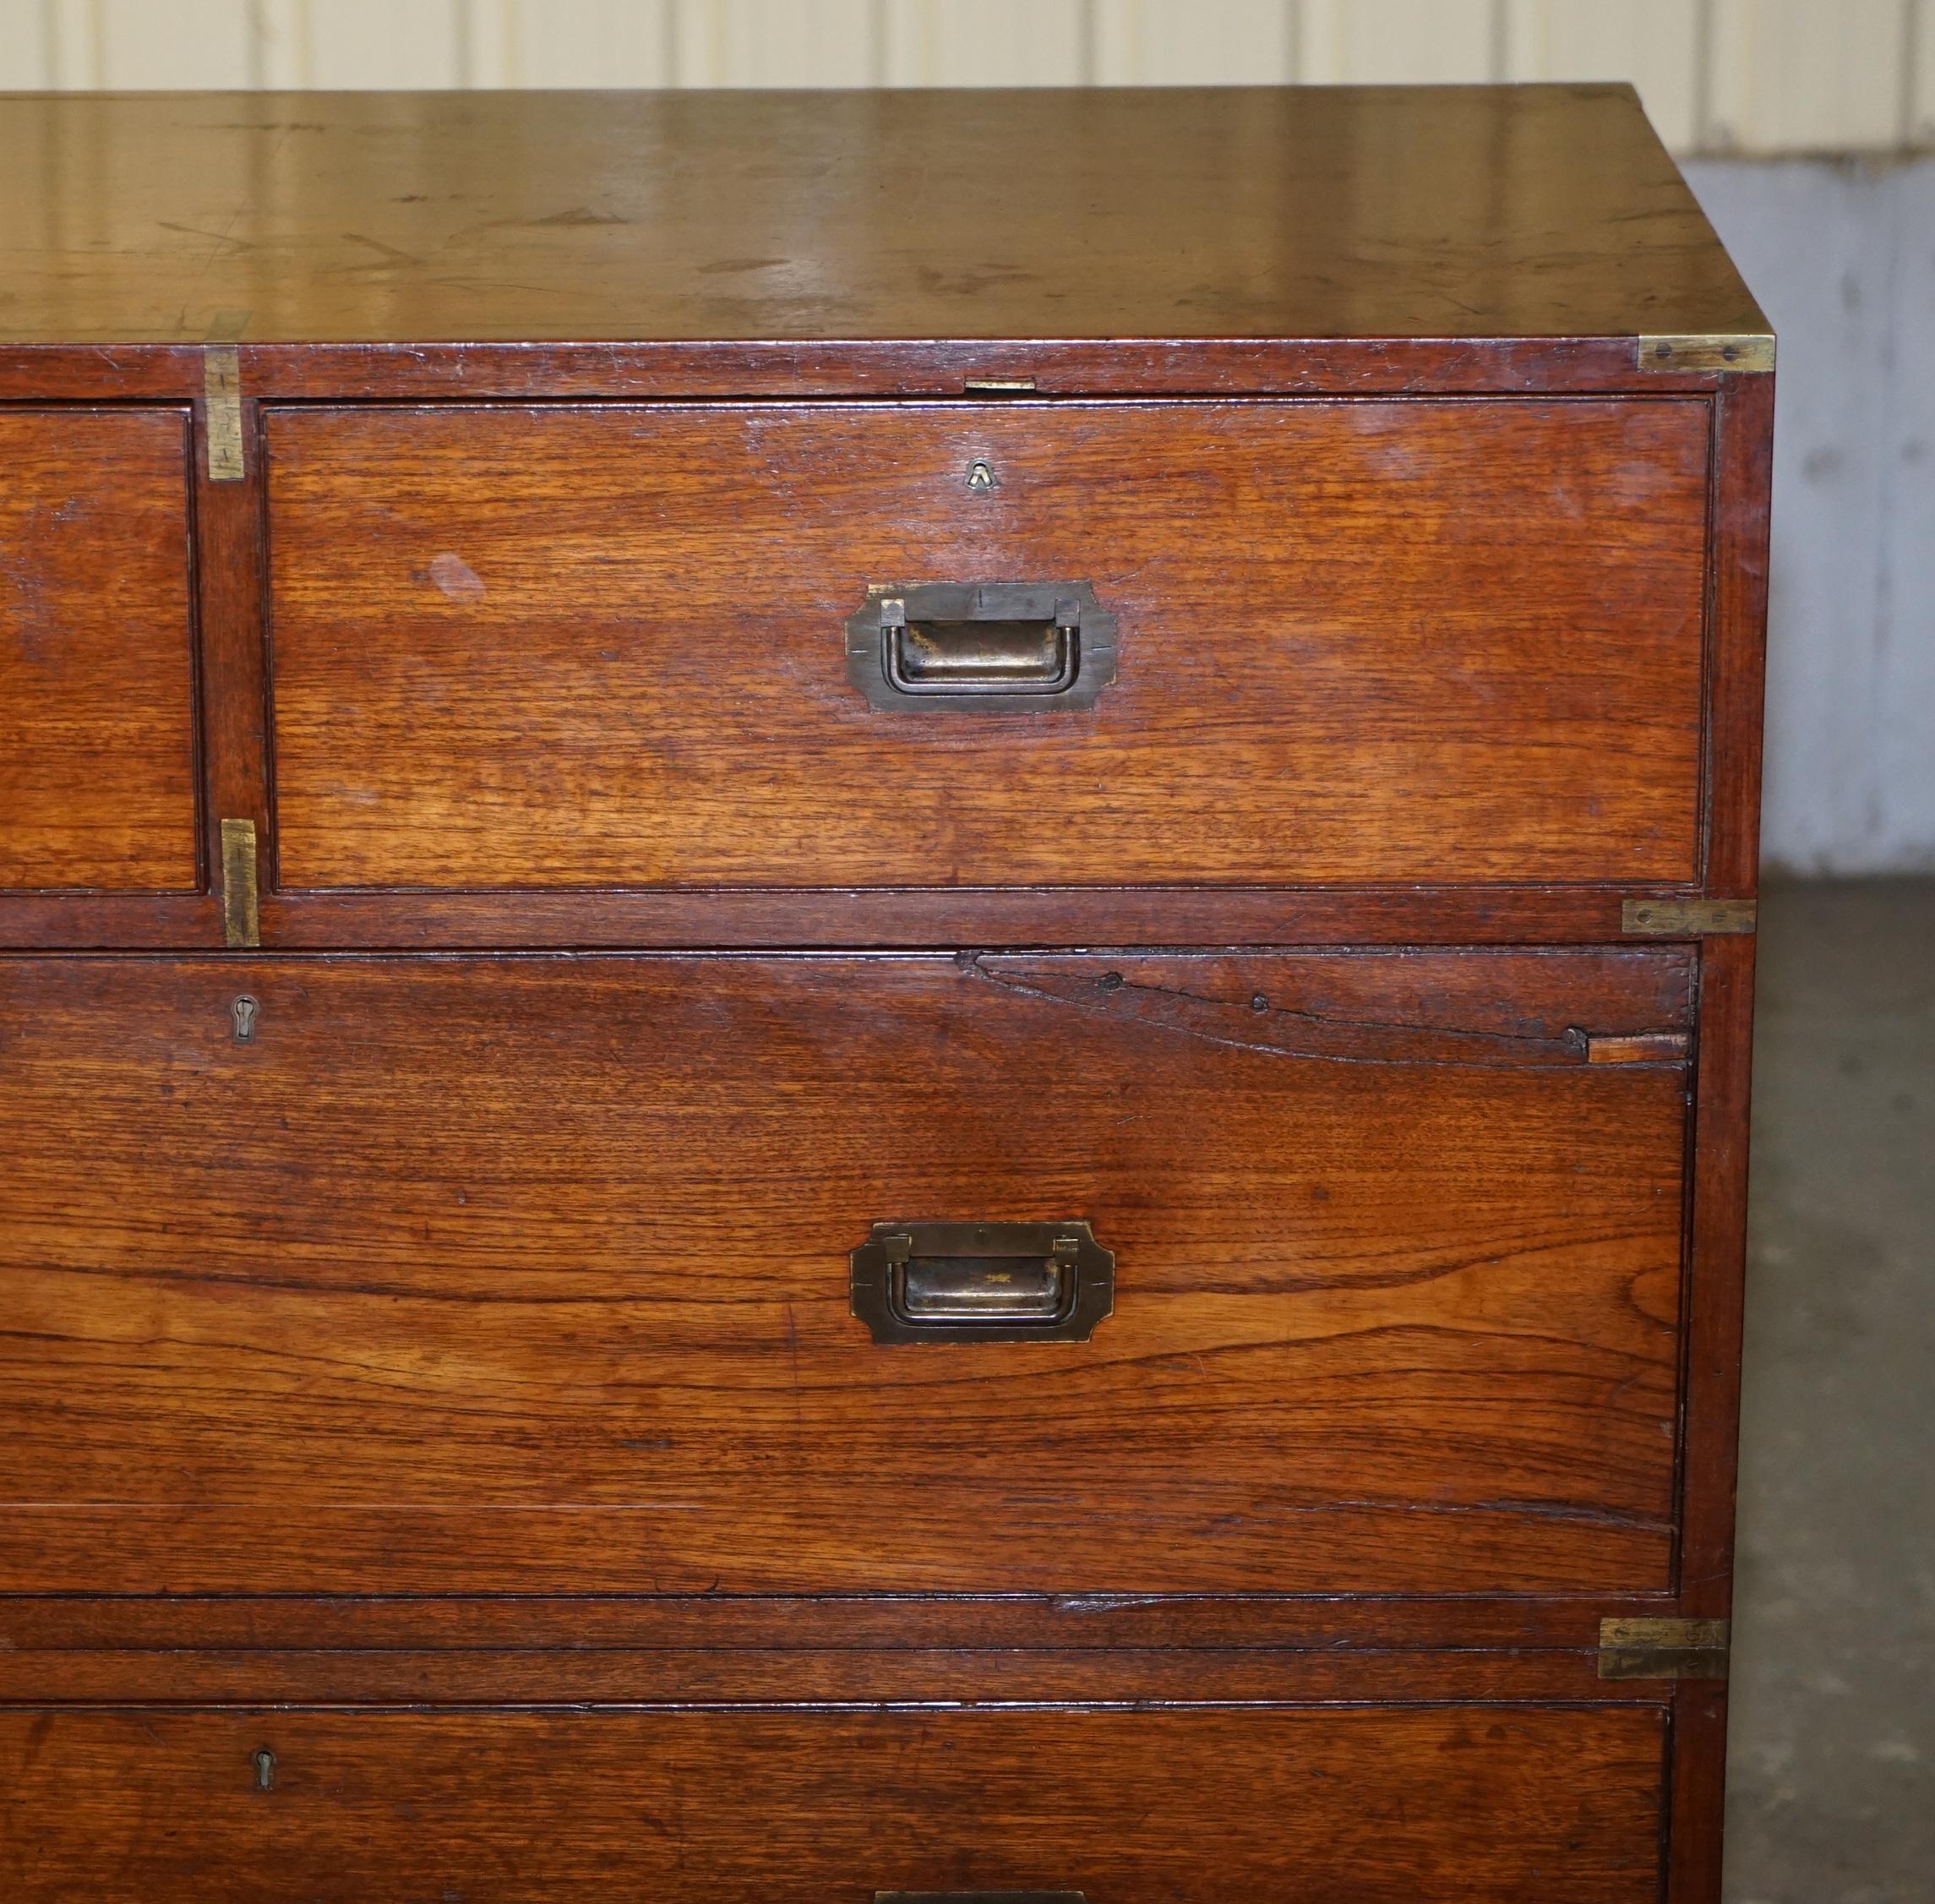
column 471, row 1273
column 475, row 1336
column 456, row 1675
column 438, row 218
column 1360, row 642
column 1459, row 1804
column 620, row 1649
column 97, row 725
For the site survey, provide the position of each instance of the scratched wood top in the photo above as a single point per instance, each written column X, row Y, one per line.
column 1532, row 212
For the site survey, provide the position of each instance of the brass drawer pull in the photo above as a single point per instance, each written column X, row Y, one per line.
column 981, row 1282
column 991, row 646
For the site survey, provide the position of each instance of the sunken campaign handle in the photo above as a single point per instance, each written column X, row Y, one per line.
column 993, row 647
column 981, row 1282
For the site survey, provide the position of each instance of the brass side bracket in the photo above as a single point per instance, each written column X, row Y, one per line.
column 221, row 396
column 221, row 411
column 1648, row 1648
column 1706, row 352
column 1686, row 919
column 241, row 905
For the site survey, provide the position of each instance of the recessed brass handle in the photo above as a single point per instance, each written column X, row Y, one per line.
column 1030, row 646
column 981, row 1282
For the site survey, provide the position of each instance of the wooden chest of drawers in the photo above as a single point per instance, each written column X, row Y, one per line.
column 875, row 983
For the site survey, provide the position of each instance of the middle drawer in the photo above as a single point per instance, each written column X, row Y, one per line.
column 490, row 1274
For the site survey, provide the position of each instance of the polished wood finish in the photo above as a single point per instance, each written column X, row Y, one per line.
column 1358, row 642
column 840, row 918
column 527, row 1675
column 1398, row 1275
column 1464, row 1804
column 898, row 367
column 1523, row 211
column 1262, row 329
column 97, row 670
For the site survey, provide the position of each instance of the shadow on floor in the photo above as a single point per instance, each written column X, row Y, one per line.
column 1832, row 1769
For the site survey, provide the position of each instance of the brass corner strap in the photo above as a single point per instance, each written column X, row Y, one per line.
column 221, row 396
column 241, row 904
column 1649, row 1649
column 1707, row 351
column 1687, row 919
column 221, row 412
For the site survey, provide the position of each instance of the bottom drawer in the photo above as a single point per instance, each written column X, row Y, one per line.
column 1404, row 1804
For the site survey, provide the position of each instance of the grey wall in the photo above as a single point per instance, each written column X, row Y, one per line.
column 1841, row 254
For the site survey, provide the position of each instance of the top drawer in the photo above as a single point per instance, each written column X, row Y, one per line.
column 1353, row 641
column 97, row 718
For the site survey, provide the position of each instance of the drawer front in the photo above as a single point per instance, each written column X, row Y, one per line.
column 1348, row 642
column 97, row 750
column 533, row 1274
column 1463, row 1805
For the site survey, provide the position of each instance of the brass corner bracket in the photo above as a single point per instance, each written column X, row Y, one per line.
column 241, row 904
column 221, row 396
column 1706, row 351
column 1687, row 919
column 1649, row 1649
column 221, row 410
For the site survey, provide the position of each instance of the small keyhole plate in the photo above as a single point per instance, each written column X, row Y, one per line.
column 243, row 1015
column 264, row 1764
column 981, row 477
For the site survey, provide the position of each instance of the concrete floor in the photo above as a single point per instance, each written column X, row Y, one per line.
column 1832, row 1777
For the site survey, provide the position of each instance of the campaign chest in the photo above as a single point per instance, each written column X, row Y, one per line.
column 874, row 992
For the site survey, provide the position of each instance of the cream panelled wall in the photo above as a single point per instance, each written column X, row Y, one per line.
column 1717, row 75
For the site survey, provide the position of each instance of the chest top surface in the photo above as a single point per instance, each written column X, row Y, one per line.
column 1371, row 212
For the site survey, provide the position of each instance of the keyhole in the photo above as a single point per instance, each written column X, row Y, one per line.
column 980, row 476
column 243, row 1011
column 264, row 1763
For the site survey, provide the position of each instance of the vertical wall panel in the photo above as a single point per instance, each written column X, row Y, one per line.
column 69, row 34
column 1838, row 257
column 776, row 43
column 593, row 43
column 279, row 50
column 173, row 43
column 1653, row 43
column 487, row 40
column 1904, row 793
column 1752, row 75
column 1797, row 75
column 28, row 61
column 1921, row 74
column 1397, row 42
column 383, row 43
column 986, row 43
column 1207, row 43
column 1317, row 28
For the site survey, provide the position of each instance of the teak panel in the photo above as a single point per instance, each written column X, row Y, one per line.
column 1360, row 642
column 97, row 738
column 1480, row 1804
column 1206, row 212
column 492, row 1273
